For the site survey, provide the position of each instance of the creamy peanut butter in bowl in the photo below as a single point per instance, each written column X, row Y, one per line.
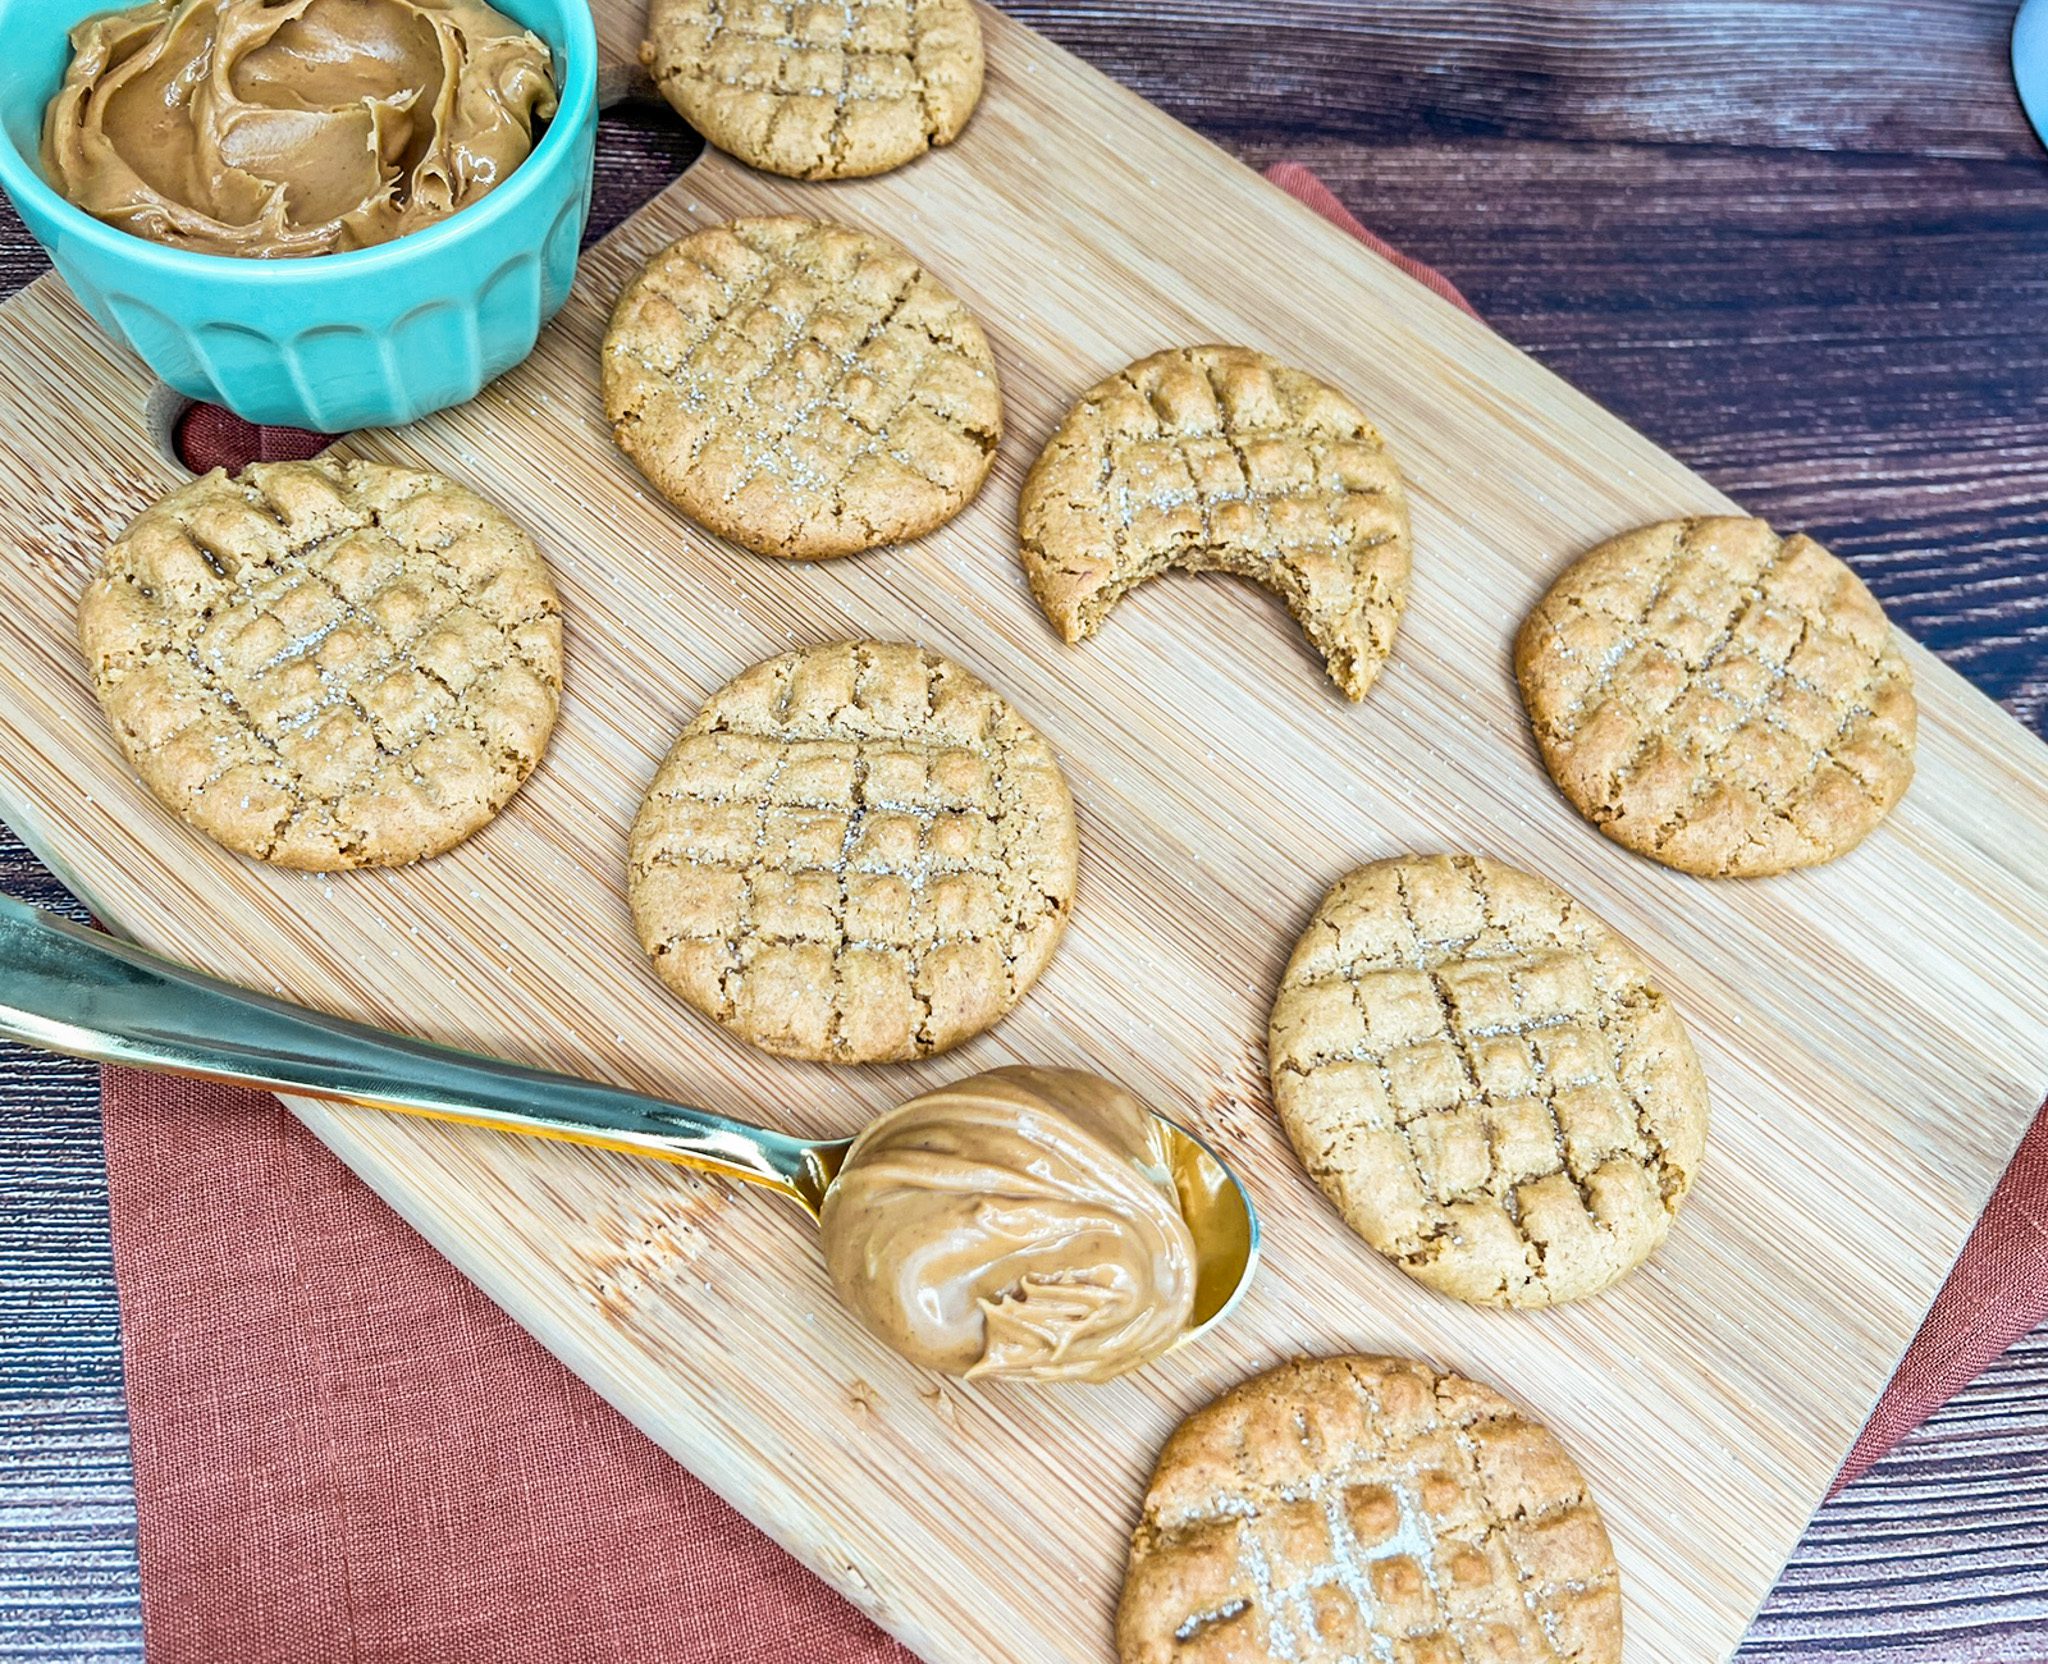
column 253, row 128
column 328, row 213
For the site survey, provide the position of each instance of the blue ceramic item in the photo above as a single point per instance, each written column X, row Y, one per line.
column 2030, row 62
column 371, row 338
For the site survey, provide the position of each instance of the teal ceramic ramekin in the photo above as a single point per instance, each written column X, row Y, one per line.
column 370, row 338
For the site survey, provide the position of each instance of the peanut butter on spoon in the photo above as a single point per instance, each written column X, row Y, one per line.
column 1022, row 1223
column 270, row 128
column 1038, row 1223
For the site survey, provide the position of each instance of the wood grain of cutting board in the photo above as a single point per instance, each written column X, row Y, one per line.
column 1872, row 1029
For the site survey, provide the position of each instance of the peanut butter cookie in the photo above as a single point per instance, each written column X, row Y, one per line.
column 1218, row 459
column 1721, row 699
column 1485, row 1081
column 802, row 389
column 818, row 91
column 856, row 853
column 1368, row 1508
column 327, row 664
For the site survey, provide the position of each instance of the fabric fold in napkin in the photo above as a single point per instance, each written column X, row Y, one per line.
column 345, row 1454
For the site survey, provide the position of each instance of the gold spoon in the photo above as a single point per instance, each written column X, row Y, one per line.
column 67, row 989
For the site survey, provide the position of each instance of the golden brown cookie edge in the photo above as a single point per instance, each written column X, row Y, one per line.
column 1044, row 944
column 1537, row 706
column 1449, row 1277
column 1061, row 594
column 700, row 106
column 674, row 482
column 337, row 470
column 1321, row 1371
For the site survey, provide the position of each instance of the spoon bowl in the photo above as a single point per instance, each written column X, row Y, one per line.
column 1220, row 1217
column 67, row 989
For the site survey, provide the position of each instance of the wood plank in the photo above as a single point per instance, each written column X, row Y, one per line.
column 1853, row 1046
column 1940, row 1555
column 1851, row 345
column 1923, row 77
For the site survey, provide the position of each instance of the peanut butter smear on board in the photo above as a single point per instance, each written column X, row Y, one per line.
column 270, row 128
column 1021, row 1223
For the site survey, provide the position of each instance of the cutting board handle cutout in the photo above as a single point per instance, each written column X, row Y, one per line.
column 163, row 408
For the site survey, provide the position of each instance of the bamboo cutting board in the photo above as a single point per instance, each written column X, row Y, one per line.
column 1872, row 1029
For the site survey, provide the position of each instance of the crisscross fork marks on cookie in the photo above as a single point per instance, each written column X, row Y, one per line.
column 1667, row 622
column 1220, row 459
column 803, row 389
column 819, row 89
column 327, row 664
column 1727, row 701
column 704, row 377
column 1485, row 1081
column 854, row 852
column 1358, row 1510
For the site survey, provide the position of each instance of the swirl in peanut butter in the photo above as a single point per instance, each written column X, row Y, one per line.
column 1021, row 1223
column 270, row 128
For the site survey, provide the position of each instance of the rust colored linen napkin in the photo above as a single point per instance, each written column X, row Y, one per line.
column 345, row 1454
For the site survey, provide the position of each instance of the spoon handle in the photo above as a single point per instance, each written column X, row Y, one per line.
column 67, row 989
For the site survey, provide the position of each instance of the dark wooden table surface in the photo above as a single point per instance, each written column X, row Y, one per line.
column 1801, row 243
